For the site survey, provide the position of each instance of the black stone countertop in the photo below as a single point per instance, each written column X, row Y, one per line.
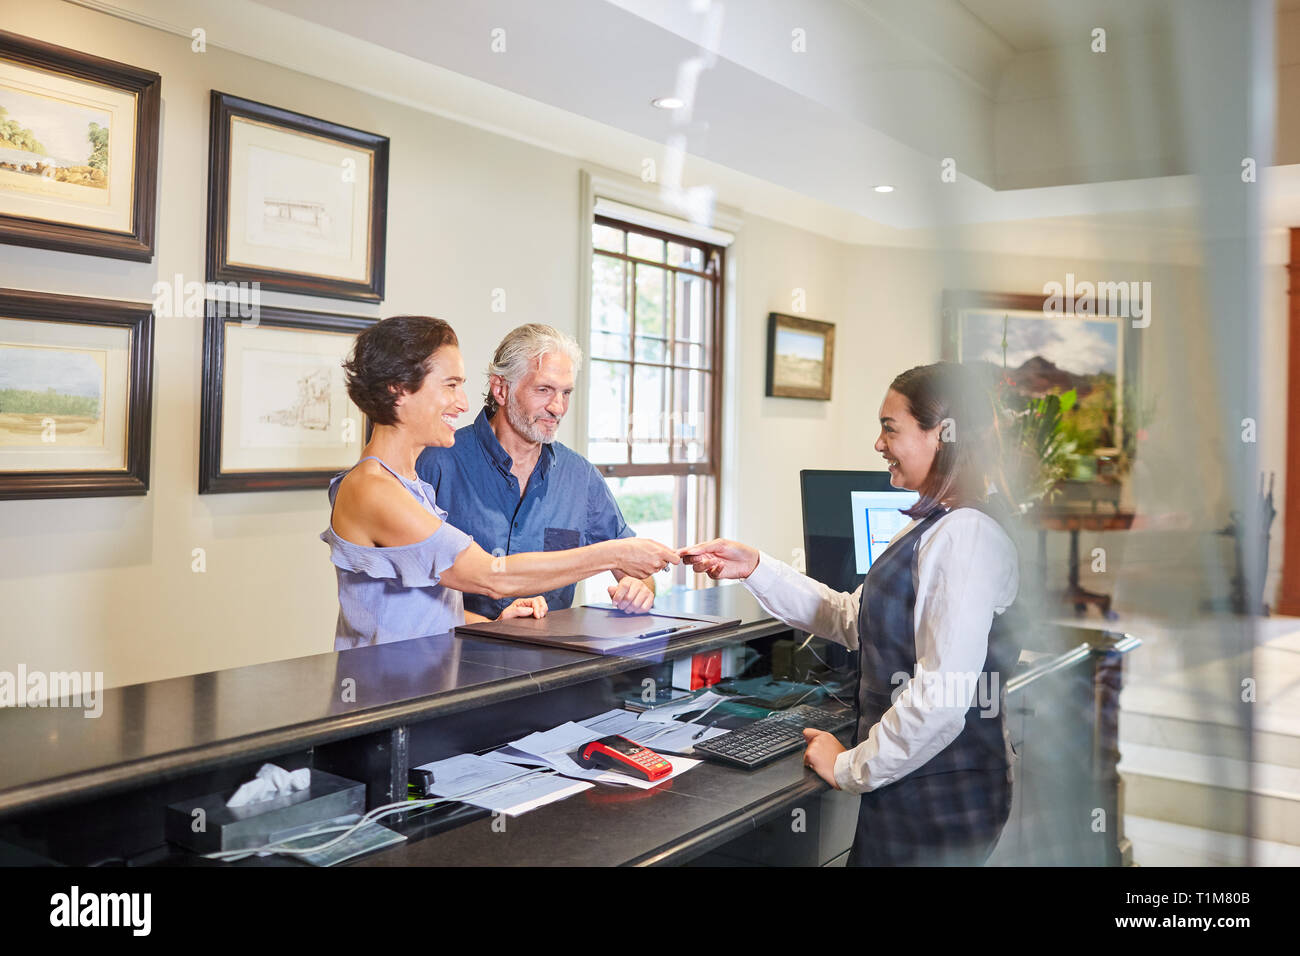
column 169, row 728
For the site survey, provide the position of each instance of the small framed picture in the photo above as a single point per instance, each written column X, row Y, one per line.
column 75, row 395
column 78, row 151
column 800, row 357
column 275, row 412
column 295, row 203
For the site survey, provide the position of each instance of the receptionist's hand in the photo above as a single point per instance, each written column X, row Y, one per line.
column 721, row 558
column 820, row 753
column 632, row 595
column 524, row 607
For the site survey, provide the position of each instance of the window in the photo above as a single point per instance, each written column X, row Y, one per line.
column 654, row 402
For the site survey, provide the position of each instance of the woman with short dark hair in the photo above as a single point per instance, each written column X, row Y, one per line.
column 930, row 758
column 401, row 568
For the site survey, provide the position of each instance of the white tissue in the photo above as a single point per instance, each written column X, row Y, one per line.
column 271, row 781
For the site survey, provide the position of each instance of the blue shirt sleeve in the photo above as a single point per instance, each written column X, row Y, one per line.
column 604, row 519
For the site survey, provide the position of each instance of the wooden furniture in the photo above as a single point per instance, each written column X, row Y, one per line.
column 1071, row 520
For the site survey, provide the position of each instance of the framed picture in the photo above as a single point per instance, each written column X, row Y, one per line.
column 800, row 357
column 78, row 151
column 1043, row 352
column 75, row 394
column 275, row 413
column 295, row 203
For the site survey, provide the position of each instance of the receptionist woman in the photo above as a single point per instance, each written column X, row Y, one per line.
column 932, row 768
column 401, row 568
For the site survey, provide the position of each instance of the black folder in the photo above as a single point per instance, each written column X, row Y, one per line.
column 600, row 629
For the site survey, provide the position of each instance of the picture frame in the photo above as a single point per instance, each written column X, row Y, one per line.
column 76, row 395
column 83, row 176
column 274, row 408
column 800, row 357
column 295, row 203
column 1093, row 351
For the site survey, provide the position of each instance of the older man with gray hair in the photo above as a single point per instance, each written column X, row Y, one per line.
column 507, row 481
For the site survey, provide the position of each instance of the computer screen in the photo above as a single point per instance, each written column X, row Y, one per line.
column 849, row 518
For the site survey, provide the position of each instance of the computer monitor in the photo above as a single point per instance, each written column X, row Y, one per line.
column 849, row 518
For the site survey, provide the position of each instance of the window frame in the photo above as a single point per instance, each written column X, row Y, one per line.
column 710, row 467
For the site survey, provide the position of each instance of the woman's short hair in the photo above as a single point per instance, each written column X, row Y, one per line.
column 392, row 357
column 521, row 350
column 958, row 400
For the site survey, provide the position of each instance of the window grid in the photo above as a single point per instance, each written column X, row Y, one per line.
column 709, row 345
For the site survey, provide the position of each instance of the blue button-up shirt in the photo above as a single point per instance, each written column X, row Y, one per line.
column 566, row 504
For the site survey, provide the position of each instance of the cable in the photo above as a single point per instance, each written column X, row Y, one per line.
column 827, row 688
column 282, row 846
column 705, row 712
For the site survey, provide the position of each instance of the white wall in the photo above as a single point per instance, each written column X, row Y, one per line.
column 106, row 583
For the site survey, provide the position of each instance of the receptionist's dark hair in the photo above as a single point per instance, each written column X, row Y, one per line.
column 955, row 398
column 392, row 357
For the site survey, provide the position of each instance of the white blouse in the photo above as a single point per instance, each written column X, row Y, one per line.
column 966, row 572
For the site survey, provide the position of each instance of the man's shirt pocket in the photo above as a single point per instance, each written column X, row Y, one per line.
column 560, row 539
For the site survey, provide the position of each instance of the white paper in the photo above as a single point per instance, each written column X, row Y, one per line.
column 703, row 701
column 463, row 774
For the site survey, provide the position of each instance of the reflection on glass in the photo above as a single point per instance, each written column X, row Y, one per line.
column 607, row 405
column 606, row 237
column 645, row 247
column 608, row 345
column 690, row 417
column 651, row 350
column 686, row 256
column 649, row 415
column 609, row 295
column 690, row 355
column 651, row 285
column 691, row 304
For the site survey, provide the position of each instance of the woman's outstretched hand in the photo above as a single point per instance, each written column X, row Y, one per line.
column 721, row 558
column 524, row 607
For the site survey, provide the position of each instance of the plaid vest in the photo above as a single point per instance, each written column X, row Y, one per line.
column 887, row 643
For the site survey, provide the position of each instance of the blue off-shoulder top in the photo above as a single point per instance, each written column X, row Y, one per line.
column 393, row 594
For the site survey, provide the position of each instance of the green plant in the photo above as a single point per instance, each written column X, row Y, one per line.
column 1034, row 447
column 1035, row 443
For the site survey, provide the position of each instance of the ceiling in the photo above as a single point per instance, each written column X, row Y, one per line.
column 824, row 99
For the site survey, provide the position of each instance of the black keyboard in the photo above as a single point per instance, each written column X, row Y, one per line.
column 770, row 737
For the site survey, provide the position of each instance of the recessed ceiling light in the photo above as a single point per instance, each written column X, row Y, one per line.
column 884, row 189
column 667, row 103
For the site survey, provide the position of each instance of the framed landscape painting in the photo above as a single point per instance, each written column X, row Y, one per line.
column 275, row 412
column 295, row 203
column 800, row 357
column 78, row 151
column 75, row 396
column 1036, row 353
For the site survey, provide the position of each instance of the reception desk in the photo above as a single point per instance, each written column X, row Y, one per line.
column 77, row 790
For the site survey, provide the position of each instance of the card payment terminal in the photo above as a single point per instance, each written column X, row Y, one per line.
column 617, row 753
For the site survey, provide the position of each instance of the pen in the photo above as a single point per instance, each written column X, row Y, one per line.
column 665, row 631
column 703, row 730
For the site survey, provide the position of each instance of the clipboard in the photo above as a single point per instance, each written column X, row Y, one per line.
column 600, row 629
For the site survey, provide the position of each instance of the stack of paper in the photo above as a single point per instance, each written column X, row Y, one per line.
column 497, row 786
column 662, row 736
column 553, row 748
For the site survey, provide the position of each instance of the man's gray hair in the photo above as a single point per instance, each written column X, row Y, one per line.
column 522, row 350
